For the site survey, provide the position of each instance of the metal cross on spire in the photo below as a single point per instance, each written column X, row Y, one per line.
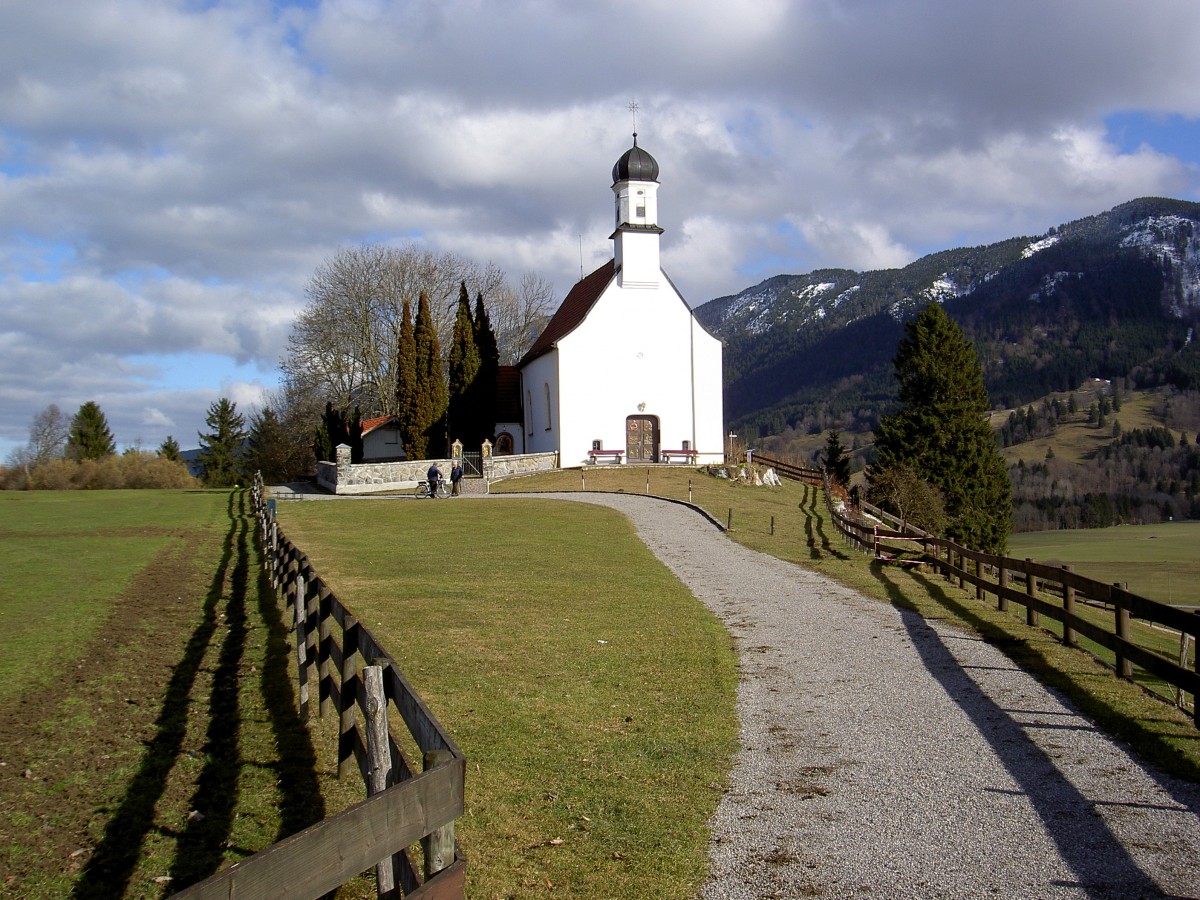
column 633, row 108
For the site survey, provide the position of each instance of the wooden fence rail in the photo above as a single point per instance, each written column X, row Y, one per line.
column 1026, row 583
column 408, row 801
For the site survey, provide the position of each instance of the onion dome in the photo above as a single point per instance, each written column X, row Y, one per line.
column 635, row 165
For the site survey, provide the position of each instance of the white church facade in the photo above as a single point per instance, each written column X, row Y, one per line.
column 624, row 372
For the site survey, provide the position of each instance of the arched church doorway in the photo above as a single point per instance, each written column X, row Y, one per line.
column 504, row 444
column 641, row 439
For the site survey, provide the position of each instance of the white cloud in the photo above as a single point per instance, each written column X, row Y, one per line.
column 167, row 189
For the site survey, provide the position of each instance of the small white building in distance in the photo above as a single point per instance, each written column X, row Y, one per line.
column 624, row 372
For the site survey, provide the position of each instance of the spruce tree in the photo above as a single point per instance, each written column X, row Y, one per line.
column 462, row 421
column 429, row 397
column 837, row 463
column 406, row 378
column 269, row 451
column 90, row 437
column 221, row 460
column 169, row 449
column 489, row 371
column 941, row 430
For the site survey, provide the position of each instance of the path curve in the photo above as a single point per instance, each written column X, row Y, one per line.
column 883, row 755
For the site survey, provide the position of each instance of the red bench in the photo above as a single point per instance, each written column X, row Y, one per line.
column 615, row 454
column 688, row 455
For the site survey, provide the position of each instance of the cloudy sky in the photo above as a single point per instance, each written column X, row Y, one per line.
column 173, row 171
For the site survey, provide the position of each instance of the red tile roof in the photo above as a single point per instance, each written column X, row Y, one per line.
column 572, row 311
column 369, row 425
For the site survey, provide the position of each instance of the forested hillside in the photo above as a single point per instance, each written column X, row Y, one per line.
column 1112, row 295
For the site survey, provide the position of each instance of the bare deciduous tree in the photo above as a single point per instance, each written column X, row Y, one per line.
column 518, row 316
column 344, row 344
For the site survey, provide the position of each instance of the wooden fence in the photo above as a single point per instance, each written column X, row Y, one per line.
column 1051, row 591
column 356, row 680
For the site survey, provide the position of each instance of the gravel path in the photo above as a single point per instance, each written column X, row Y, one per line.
column 883, row 755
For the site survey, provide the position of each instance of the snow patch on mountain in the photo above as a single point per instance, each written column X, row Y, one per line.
column 1037, row 246
column 1173, row 241
column 943, row 288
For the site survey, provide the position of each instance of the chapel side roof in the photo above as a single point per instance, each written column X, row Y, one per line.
column 572, row 311
column 508, row 394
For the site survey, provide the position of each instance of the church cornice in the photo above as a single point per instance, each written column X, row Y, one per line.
column 636, row 229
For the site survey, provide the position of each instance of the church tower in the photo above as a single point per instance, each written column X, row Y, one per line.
column 635, row 184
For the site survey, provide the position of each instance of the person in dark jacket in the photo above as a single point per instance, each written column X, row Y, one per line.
column 456, row 475
column 434, row 476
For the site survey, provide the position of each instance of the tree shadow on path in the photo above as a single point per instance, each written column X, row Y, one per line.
column 1085, row 842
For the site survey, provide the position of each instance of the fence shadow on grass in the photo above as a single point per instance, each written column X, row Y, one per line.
column 1083, row 839
column 203, row 841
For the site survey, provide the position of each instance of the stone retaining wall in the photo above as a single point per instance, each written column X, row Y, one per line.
column 343, row 477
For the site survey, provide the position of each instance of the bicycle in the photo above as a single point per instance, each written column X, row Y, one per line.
column 442, row 489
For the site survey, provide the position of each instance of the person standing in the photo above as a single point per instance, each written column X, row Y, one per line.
column 434, row 476
column 456, row 475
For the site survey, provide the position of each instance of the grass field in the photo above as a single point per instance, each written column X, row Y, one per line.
column 591, row 693
column 1161, row 562
column 148, row 733
column 147, row 677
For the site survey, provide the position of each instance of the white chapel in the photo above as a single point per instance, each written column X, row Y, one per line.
column 624, row 372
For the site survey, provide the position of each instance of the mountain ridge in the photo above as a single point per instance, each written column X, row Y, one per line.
column 1114, row 294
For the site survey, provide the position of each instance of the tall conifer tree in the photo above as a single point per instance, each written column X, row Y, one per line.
column 462, row 416
column 90, row 437
column 429, row 402
column 221, row 449
column 489, row 371
column 406, row 377
column 941, row 430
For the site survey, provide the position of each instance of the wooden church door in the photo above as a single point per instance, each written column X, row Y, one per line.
column 641, row 439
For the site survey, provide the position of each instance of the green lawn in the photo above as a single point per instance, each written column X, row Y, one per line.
column 1161, row 562
column 148, row 730
column 591, row 693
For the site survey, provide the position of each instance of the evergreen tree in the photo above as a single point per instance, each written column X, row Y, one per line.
column 837, row 463
column 462, row 420
column 941, row 431
column 169, row 449
column 322, row 445
column 489, row 371
column 337, row 428
column 90, row 437
column 221, row 461
column 406, row 377
column 269, row 451
column 429, row 398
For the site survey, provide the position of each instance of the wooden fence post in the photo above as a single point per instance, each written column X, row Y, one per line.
column 689, row 490
column 275, row 555
column 772, row 525
column 978, row 579
column 324, row 651
column 729, row 520
column 962, row 570
column 1068, row 611
column 1121, row 609
column 1031, row 587
column 1196, row 666
column 379, row 756
column 348, row 696
column 301, row 603
column 1001, row 599
column 439, row 845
